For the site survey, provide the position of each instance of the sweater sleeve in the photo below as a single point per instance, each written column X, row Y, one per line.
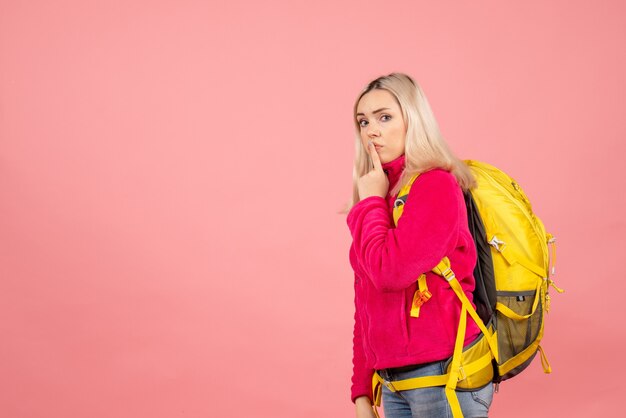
column 428, row 230
column 361, row 372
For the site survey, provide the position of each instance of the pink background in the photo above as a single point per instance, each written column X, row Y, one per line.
column 171, row 172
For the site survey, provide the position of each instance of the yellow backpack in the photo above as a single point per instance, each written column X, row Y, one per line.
column 516, row 259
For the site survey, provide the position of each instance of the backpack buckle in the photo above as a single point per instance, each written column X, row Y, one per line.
column 462, row 374
column 420, row 298
column 497, row 243
column 448, row 274
column 389, row 386
column 398, row 202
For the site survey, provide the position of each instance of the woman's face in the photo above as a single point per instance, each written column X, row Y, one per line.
column 381, row 121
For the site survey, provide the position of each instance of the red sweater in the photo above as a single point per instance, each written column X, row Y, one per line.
column 387, row 262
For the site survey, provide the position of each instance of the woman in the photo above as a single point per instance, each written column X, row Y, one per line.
column 398, row 136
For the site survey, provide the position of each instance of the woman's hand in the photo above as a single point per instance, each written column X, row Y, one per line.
column 364, row 408
column 374, row 182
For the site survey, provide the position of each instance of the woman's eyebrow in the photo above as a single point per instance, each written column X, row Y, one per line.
column 375, row 111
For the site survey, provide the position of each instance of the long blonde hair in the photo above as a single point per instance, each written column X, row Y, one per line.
column 424, row 147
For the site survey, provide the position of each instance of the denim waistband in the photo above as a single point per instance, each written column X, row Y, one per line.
column 402, row 369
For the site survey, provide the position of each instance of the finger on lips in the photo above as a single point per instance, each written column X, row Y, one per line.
column 374, row 151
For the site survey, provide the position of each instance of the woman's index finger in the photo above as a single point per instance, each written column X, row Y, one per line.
column 375, row 157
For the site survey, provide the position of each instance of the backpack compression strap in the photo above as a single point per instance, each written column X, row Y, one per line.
column 443, row 269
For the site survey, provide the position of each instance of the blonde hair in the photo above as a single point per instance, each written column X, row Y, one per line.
column 424, row 147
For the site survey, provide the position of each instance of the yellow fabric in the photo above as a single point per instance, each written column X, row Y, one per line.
column 397, row 209
column 489, row 336
column 512, row 257
column 523, row 254
column 558, row 289
column 421, row 296
column 444, row 268
column 544, row 361
column 376, row 392
column 453, row 374
column 469, row 370
column 552, row 244
column 524, row 257
column 499, row 195
column 510, row 314
column 475, row 367
column 412, row 383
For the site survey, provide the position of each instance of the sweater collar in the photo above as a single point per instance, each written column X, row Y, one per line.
column 394, row 169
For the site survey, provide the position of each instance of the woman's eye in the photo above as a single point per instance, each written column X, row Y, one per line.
column 386, row 116
column 362, row 121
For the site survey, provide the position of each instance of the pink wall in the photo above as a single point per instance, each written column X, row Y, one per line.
column 170, row 173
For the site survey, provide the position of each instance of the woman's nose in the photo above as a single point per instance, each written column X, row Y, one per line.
column 373, row 131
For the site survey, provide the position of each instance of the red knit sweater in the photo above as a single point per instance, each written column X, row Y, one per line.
column 387, row 262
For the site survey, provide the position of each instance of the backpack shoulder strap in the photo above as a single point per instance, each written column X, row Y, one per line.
column 444, row 270
column 398, row 205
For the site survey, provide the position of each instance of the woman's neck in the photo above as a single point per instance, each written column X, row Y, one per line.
column 394, row 169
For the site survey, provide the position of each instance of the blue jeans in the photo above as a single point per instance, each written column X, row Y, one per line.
column 431, row 402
